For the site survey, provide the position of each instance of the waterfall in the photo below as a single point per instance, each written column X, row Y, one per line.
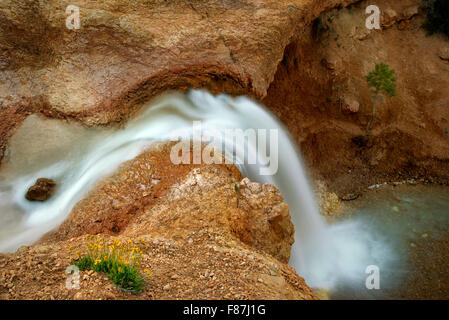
column 76, row 157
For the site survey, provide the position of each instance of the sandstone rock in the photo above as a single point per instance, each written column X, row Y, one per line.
column 362, row 34
column 78, row 296
column 126, row 52
column 444, row 53
column 328, row 202
column 41, row 190
column 390, row 17
column 350, row 196
column 350, row 104
column 332, row 61
column 404, row 24
column 410, row 12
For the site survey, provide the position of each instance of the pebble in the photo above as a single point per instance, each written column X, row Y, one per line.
column 78, row 296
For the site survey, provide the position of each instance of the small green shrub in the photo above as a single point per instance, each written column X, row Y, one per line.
column 382, row 80
column 437, row 16
column 382, row 83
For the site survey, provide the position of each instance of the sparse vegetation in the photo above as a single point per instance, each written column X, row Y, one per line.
column 121, row 262
column 383, row 84
column 437, row 16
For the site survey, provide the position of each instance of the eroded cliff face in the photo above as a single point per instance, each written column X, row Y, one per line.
column 208, row 234
column 126, row 52
column 321, row 94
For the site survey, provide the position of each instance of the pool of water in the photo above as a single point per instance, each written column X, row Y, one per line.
column 412, row 223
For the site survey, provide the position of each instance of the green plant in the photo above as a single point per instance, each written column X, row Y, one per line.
column 236, row 187
column 119, row 261
column 437, row 16
column 382, row 83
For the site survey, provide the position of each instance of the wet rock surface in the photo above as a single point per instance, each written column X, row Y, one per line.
column 41, row 190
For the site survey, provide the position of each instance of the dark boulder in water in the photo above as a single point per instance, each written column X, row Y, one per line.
column 41, row 190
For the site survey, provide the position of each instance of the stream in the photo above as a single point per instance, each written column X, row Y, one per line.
column 331, row 255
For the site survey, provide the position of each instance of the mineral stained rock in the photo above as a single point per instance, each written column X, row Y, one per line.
column 125, row 52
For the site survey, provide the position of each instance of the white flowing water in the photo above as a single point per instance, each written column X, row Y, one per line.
column 76, row 157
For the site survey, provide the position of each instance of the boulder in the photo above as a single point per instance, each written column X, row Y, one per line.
column 350, row 104
column 444, row 53
column 41, row 190
column 389, row 18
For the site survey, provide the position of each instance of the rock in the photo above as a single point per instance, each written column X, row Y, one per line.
column 350, row 104
column 78, row 296
column 332, row 61
column 268, row 220
column 109, row 295
column 361, row 33
column 328, row 202
column 350, row 196
column 403, row 25
column 390, row 17
column 166, row 287
column 409, row 12
column 444, row 53
column 41, row 190
column 117, row 204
